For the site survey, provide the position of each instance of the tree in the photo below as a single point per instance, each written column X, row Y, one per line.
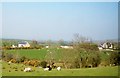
column 81, row 42
column 80, row 39
column 68, row 56
column 51, row 55
column 87, row 51
column 61, row 42
column 49, row 42
column 34, row 44
column 84, row 53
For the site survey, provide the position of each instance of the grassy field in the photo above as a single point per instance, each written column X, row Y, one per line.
column 42, row 53
column 8, row 70
column 99, row 71
column 32, row 54
column 36, row 53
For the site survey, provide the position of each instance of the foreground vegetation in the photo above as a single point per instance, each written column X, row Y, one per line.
column 70, row 58
column 84, row 59
column 8, row 70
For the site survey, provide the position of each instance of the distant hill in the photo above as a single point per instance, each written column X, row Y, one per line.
column 15, row 41
column 12, row 41
column 109, row 40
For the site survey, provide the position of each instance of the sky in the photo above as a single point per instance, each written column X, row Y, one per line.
column 59, row 20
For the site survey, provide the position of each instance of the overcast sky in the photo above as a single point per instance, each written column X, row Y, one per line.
column 60, row 20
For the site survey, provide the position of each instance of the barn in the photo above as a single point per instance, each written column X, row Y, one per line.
column 23, row 44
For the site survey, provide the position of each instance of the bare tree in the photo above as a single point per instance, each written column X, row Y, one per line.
column 61, row 42
column 79, row 38
column 49, row 42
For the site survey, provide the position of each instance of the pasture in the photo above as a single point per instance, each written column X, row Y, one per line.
column 15, row 70
column 34, row 53
column 41, row 54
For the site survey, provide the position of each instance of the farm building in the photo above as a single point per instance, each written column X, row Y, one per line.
column 24, row 44
column 13, row 46
column 67, row 47
column 47, row 46
column 106, row 46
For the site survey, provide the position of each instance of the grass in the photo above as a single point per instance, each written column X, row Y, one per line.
column 99, row 71
column 41, row 54
column 36, row 53
column 32, row 54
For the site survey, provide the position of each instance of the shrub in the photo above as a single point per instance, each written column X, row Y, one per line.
column 114, row 58
column 17, row 60
column 88, row 46
column 76, row 63
column 23, row 58
column 9, row 57
column 43, row 64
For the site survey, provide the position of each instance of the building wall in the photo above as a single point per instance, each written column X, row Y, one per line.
column 24, row 45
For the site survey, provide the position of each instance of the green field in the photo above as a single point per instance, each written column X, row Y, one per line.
column 36, row 53
column 42, row 53
column 7, row 70
column 99, row 71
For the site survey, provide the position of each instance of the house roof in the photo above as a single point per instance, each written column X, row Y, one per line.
column 23, row 42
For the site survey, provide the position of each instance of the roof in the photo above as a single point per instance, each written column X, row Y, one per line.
column 23, row 42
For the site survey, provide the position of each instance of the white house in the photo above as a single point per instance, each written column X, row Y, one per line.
column 67, row 47
column 24, row 44
column 46, row 46
column 13, row 46
column 105, row 46
column 100, row 48
column 111, row 46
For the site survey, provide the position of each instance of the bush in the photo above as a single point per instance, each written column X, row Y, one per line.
column 86, row 59
column 88, row 46
column 43, row 64
column 23, row 58
column 17, row 60
column 114, row 58
column 9, row 57
column 76, row 63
